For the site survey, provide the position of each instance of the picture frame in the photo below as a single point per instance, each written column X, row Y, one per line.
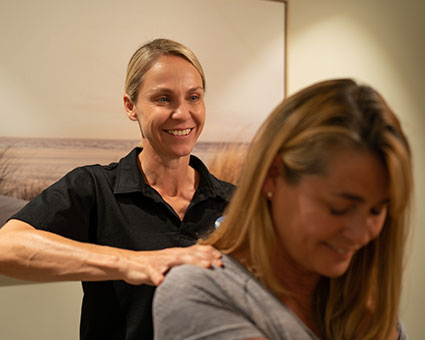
column 63, row 78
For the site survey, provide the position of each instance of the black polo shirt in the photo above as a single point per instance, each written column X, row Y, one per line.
column 112, row 205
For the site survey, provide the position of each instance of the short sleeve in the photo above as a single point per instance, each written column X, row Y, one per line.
column 191, row 304
column 65, row 208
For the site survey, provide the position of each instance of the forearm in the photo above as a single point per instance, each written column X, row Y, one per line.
column 36, row 255
column 30, row 254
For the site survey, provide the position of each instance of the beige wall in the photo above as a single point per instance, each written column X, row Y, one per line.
column 380, row 42
column 48, row 311
column 376, row 41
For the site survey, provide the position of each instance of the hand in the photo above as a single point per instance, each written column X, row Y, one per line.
column 149, row 267
column 37, row 255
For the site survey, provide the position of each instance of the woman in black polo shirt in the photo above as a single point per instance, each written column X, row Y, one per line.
column 119, row 228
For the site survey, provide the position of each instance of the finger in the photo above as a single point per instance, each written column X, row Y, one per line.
column 207, row 249
column 199, row 255
column 156, row 277
column 202, row 260
column 217, row 263
column 212, row 256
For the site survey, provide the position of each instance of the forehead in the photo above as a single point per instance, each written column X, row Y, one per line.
column 356, row 172
column 348, row 173
column 169, row 66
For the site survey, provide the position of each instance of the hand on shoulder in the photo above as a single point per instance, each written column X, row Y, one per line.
column 150, row 267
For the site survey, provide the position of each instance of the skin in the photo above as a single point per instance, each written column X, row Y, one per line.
column 170, row 101
column 170, row 111
column 323, row 220
column 35, row 255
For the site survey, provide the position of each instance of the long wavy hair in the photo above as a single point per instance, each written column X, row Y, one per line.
column 302, row 130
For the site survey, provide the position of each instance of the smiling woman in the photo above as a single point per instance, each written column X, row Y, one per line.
column 119, row 228
column 314, row 236
column 324, row 219
column 169, row 108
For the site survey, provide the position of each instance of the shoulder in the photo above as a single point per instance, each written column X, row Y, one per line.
column 187, row 282
column 231, row 270
column 77, row 189
column 122, row 176
column 211, row 298
column 76, row 180
column 225, row 187
column 64, row 207
column 213, row 185
column 402, row 333
column 223, row 303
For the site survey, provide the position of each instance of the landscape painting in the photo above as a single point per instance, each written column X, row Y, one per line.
column 63, row 69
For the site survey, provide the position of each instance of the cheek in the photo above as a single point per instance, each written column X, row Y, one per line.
column 317, row 223
column 377, row 225
column 299, row 219
column 200, row 113
column 301, row 228
column 151, row 116
column 284, row 223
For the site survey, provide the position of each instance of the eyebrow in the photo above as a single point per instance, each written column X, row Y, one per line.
column 351, row 197
column 168, row 90
column 358, row 198
column 196, row 88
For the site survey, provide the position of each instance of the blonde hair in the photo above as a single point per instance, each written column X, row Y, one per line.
column 146, row 55
column 303, row 130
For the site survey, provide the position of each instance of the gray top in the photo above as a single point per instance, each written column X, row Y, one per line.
column 222, row 303
column 226, row 303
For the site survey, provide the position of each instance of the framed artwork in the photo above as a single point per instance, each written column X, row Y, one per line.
column 63, row 66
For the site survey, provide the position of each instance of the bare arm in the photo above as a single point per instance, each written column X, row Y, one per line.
column 30, row 254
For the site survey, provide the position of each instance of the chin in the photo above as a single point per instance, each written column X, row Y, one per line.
column 334, row 266
column 182, row 152
column 336, row 271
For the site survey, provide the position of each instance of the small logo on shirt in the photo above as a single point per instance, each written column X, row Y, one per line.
column 218, row 222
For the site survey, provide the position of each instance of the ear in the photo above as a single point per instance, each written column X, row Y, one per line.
column 274, row 172
column 130, row 108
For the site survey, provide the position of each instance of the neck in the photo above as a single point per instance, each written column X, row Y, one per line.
column 168, row 175
column 298, row 285
column 301, row 285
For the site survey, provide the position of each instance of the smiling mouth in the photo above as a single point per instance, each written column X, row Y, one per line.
column 341, row 251
column 184, row 132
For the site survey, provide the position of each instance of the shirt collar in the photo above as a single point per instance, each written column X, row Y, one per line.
column 130, row 179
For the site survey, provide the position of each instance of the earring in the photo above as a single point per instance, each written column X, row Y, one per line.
column 269, row 195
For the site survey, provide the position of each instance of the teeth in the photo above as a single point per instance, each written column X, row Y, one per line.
column 179, row 132
column 338, row 250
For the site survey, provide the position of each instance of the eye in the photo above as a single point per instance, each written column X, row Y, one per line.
column 194, row 97
column 338, row 212
column 162, row 100
column 378, row 210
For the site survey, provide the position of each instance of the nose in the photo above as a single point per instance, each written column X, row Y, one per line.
column 362, row 229
column 181, row 111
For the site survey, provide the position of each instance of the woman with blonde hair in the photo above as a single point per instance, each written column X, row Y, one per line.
column 120, row 227
column 314, row 236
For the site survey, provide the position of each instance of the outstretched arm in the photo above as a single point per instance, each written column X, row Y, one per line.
column 30, row 254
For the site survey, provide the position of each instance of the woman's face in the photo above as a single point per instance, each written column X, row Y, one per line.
column 170, row 107
column 324, row 219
